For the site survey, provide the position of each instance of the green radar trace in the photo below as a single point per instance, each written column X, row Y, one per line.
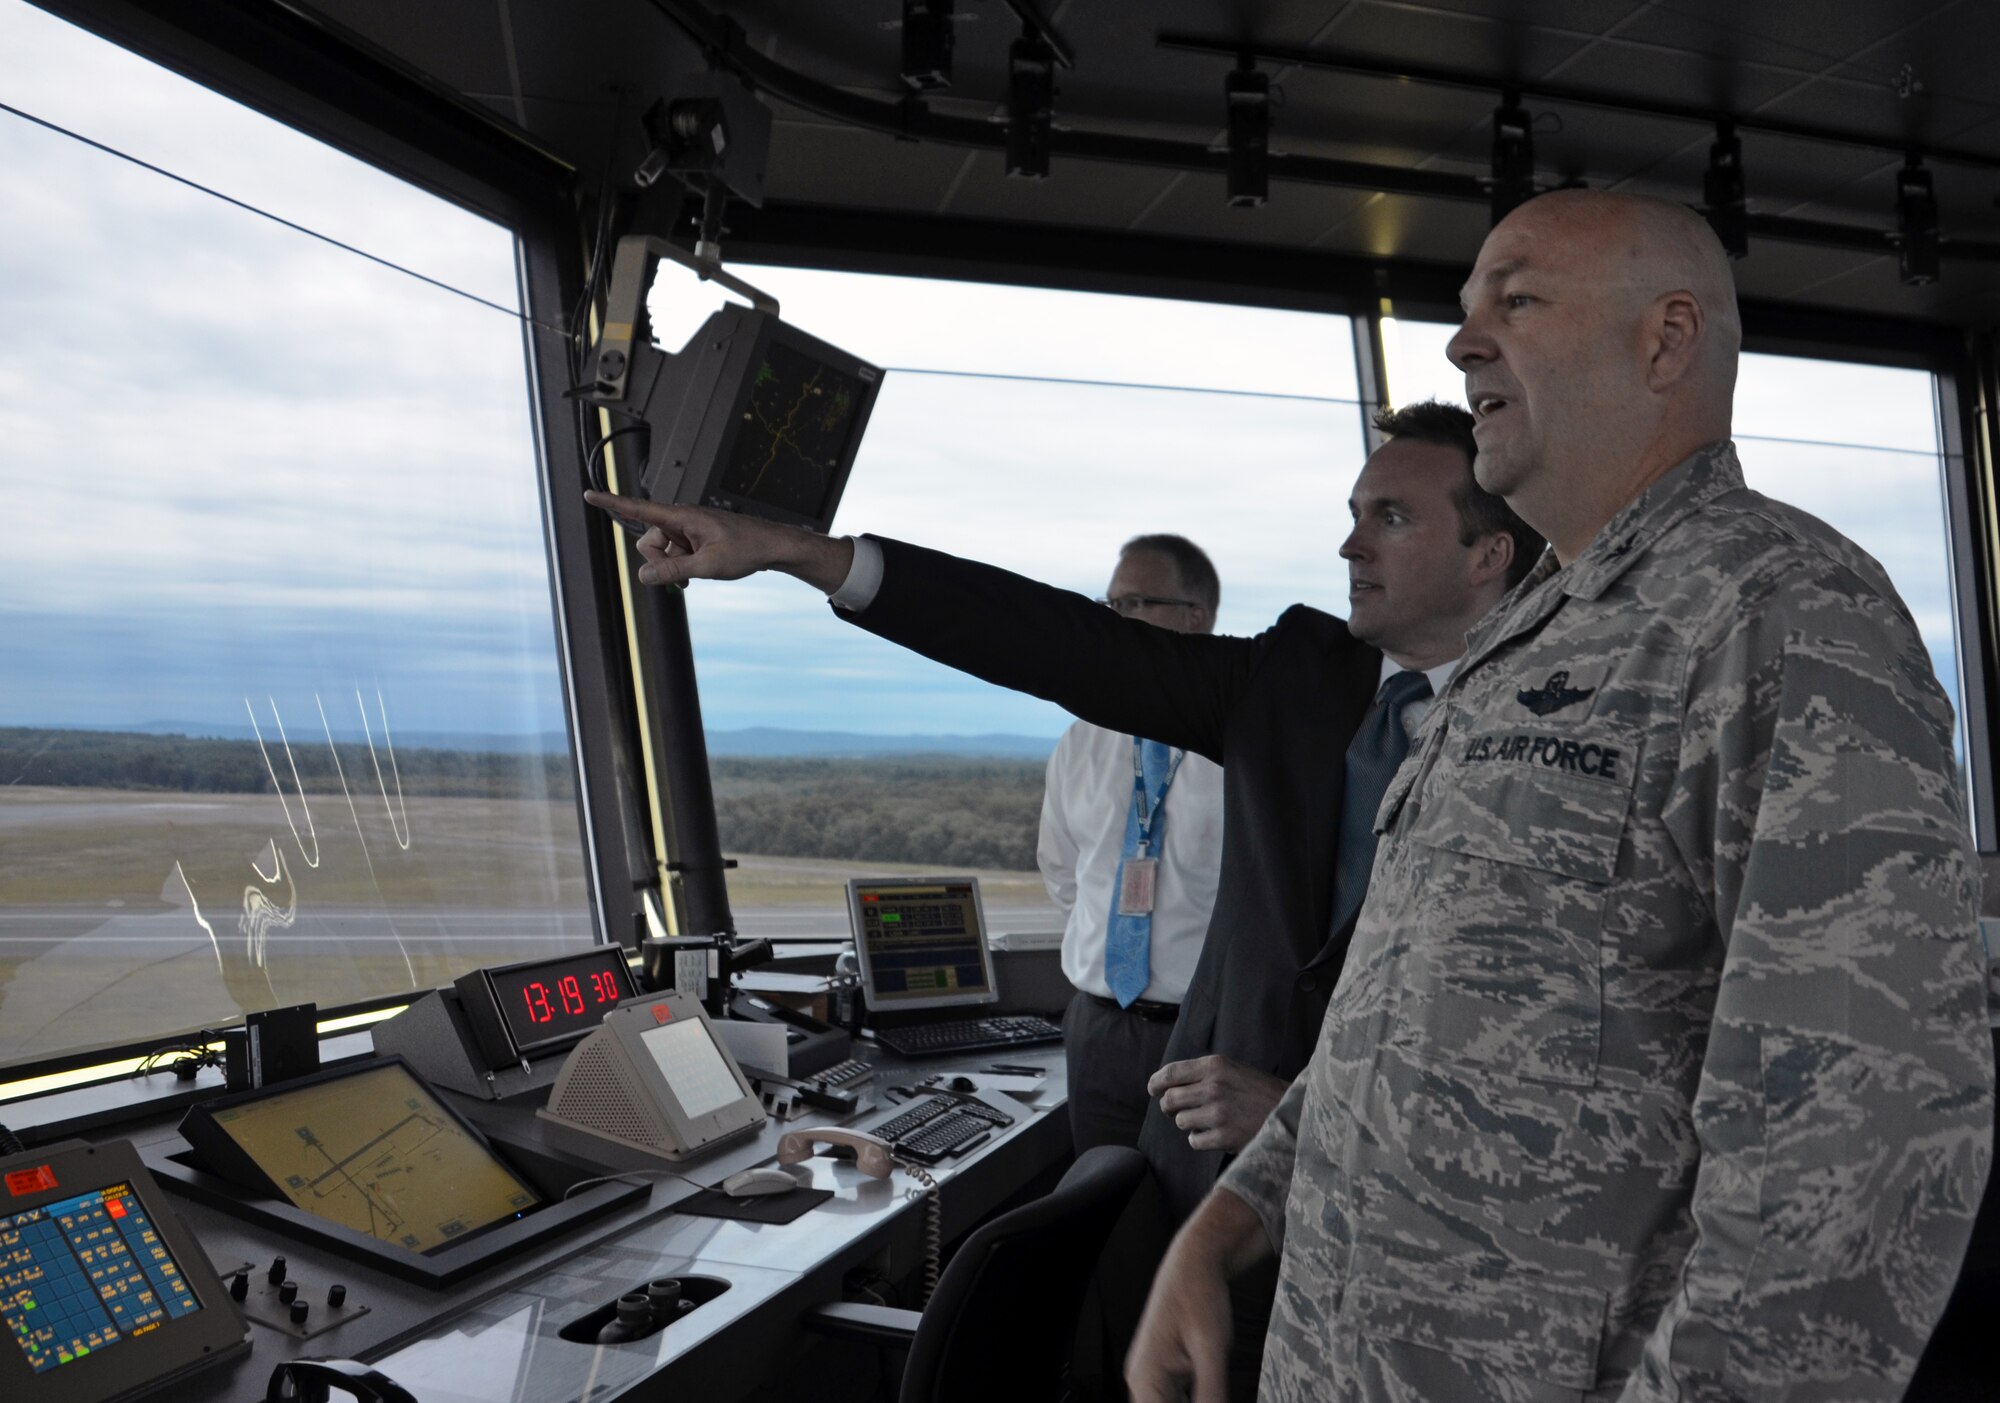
column 796, row 430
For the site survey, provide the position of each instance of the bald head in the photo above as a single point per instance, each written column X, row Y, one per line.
column 1599, row 348
column 1647, row 249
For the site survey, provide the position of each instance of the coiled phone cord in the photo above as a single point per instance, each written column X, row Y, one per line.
column 933, row 1226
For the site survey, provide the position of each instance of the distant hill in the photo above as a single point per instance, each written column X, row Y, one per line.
column 771, row 741
column 500, row 743
column 751, row 742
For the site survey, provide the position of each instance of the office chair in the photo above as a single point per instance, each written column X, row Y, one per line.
column 1003, row 1319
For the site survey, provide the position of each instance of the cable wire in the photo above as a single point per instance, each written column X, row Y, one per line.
column 277, row 219
column 933, row 1226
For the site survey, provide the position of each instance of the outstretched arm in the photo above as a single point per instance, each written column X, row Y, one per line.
column 700, row 543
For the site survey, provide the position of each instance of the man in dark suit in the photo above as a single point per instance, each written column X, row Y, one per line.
column 1428, row 554
column 1308, row 718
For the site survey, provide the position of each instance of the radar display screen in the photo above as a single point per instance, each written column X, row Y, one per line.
column 85, row 1274
column 375, row 1152
column 797, row 422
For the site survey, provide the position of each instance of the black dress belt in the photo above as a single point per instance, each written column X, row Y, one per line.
column 1145, row 1008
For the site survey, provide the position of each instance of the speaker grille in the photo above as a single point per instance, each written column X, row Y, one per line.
column 592, row 1093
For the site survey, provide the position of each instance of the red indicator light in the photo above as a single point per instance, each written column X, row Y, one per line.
column 31, row 1181
column 115, row 1207
column 870, row 896
column 662, row 1014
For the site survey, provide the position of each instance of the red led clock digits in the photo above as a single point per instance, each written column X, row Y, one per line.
column 571, row 994
column 604, row 985
column 537, row 998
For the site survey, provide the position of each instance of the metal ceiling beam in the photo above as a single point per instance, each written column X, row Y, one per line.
column 911, row 121
column 1434, row 76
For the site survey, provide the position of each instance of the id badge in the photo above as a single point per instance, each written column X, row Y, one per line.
column 1135, row 886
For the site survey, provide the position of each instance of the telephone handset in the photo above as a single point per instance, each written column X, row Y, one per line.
column 871, row 1156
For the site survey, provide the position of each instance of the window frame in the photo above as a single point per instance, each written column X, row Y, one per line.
column 335, row 89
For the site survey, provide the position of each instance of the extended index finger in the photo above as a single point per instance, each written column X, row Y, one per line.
column 669, row 518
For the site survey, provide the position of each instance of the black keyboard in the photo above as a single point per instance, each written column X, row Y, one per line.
column 914, row 1118
column 844, row 1074
column 950, row 1134
column 937, row 1126
column 967, row 1035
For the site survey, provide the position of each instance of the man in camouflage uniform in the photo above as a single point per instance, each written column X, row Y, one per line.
column 1659, row 1067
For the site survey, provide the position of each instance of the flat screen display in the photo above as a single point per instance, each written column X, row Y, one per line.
column 922, row 942
column 373, row 1151
column 86, row 1274
column 686, row 1054
column 798, row 422
column 554, row 1000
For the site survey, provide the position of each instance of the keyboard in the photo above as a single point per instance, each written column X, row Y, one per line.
column 951, row 1134
column 967, row 1035
column 842, row 1075
column 937, row 1126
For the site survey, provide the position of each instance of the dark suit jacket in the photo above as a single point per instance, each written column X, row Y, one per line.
column 1276, row 711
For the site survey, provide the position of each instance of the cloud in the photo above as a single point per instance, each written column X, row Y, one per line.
column 236, row 459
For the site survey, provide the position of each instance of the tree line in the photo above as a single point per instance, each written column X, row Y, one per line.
column 204, row 765
column 942, row 810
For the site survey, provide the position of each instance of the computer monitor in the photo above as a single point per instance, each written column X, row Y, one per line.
column 758, row 417
column 921, row 943
column 752, row 415
column 369, row 1148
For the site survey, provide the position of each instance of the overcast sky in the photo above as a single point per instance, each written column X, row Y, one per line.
column 239, row 463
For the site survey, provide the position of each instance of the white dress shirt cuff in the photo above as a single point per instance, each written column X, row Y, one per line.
column 864, row 577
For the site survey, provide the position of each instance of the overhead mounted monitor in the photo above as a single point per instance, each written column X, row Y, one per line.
column 751, row 415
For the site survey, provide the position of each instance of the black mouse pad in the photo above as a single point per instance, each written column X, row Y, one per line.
column 763, row 1208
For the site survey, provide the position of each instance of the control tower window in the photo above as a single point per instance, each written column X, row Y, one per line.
column 281, row 715
column 1038, row 430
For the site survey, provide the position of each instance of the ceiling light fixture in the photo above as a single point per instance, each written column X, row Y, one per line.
column 1031, row 99
column 1248, row 94
column 1513, row 156
column 1917, row 233
column 927, row 40
column 1727, row 209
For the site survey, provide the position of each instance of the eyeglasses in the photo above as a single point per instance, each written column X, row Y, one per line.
column 1127, row 605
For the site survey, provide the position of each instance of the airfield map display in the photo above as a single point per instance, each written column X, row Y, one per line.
column 375, row 1152
column 796, row 426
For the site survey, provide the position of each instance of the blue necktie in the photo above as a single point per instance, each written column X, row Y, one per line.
column 1372, row 758
column 1128, row 962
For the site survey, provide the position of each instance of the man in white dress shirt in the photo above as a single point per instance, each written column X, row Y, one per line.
column 1099, row 809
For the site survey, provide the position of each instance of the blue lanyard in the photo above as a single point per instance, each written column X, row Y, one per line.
column 1145, row 805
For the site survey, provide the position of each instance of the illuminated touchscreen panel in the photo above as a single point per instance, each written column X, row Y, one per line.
column 86, row 1274
column 374, row 1151
column 686, row 1054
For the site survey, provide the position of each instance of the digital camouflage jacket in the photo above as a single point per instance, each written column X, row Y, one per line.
column 1659, row 1067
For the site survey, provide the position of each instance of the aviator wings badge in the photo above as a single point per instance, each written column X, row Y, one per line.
column 1552, row 695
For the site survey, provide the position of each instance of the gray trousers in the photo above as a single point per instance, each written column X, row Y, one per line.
column 1110, row 1054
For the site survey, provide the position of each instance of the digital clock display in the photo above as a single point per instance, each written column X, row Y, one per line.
column 554, row 1000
